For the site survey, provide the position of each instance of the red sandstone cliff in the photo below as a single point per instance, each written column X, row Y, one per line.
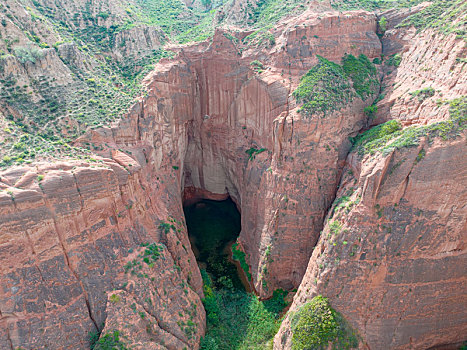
column 392, row 255
column 71, row 233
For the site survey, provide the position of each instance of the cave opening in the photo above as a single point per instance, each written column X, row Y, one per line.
column 213, row 227
column 235, row 317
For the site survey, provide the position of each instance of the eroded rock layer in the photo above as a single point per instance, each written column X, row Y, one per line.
column 102, row 245
column 392, row 256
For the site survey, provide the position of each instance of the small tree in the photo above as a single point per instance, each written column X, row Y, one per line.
column 383, row 24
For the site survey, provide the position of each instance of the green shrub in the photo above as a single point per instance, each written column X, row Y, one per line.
column 103, row 15
column 335, row 227
column 257, row 66
column 325, row 88
column 253, row 152
column 316, row 324
column 115, row 298
column 394, row 60
column 28, row 54
column 239, row 256
column 165, row 227
column 363, row 74
column 383, row 24
column 110, row 341
column 93, row 338
column 423, row 94
column 371, row 111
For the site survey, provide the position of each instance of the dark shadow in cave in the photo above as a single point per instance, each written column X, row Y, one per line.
column 213, row 226
column 235, row 317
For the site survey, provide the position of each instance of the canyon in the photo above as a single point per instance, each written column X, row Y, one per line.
column 377, row 224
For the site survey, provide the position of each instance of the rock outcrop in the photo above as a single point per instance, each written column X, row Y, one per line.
column 71, row 233
column 202, row 111
column 392, row 256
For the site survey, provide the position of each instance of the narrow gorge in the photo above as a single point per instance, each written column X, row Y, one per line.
column 260, row 179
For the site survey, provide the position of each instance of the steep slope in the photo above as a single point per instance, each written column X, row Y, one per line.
column 192, row 129
column 93, row 242
column 392, row 255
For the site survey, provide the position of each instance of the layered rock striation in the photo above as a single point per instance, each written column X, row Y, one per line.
column 100, row 246
column 392, row 254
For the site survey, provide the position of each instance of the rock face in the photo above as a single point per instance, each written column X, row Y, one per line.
column 201, row 113
column 204, row 110
column 67, row 231
column 395, row 263
column 101, row 245
column 392, row 256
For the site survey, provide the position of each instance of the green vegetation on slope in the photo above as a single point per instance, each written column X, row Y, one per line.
column 239, row 255
column 363, row 74
column 109, row 341
column 89, row 88
column 390, row 135
column 326, row 87
column 268, row 12
column 316, row 324
column 446, row 16
column 237, row 320
column 372, row 5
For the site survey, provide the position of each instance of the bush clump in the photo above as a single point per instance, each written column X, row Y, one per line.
column 394, row 60
column 325, row 88
column 28, row 54
column 109, row 341
column 363, row 74
column 316, row 324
